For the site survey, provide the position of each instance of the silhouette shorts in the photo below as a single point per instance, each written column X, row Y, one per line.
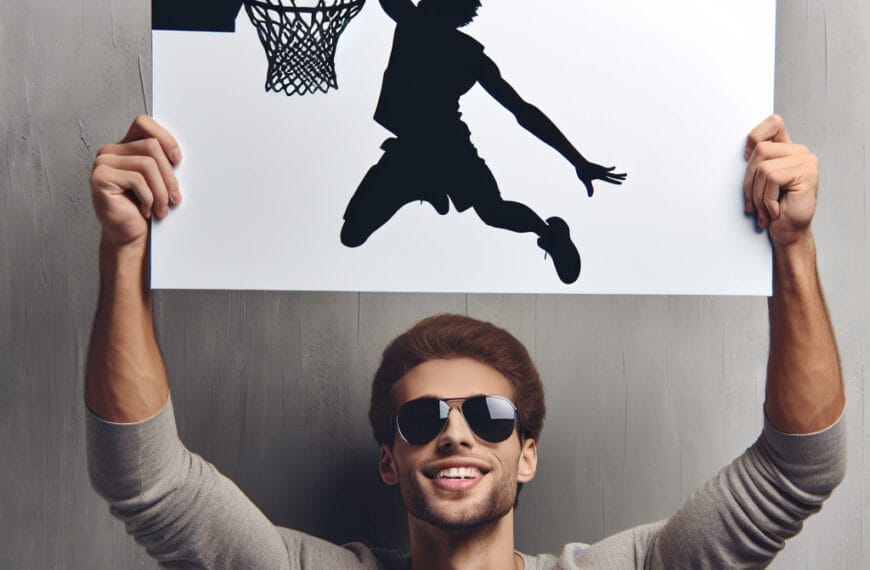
column 426, row 169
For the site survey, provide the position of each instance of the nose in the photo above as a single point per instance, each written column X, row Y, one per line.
column 456, row 432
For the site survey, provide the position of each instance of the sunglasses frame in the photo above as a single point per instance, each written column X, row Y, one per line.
column 449, row 402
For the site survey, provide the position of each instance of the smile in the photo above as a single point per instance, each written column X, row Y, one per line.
column 455, row 478
column 459, row 473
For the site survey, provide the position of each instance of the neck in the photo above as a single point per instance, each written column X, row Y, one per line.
column 486, row 547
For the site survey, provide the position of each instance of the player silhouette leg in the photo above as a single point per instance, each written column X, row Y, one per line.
column 372, row 206
column 388, row 185
column 553, row 235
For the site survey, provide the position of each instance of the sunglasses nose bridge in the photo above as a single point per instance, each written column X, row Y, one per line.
column 456, row 427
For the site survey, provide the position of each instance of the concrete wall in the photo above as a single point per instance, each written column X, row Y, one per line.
column 648, row 396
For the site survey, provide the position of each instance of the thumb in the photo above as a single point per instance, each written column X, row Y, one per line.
column 589, row 188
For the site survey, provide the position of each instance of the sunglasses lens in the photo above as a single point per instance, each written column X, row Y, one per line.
column 492, row 418
column 421, row 420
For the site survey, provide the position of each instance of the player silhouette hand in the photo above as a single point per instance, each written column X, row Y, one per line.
column 132, row 180
column 589, row 171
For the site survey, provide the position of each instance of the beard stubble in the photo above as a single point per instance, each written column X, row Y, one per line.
column 459, row 515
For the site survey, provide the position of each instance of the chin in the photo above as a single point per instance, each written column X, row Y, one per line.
column 462, row 521
column 459, row 511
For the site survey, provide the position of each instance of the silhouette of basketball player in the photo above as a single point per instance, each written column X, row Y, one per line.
column 432, row 158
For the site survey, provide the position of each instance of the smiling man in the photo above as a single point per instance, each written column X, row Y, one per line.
column 446, row 480
column 457, row 408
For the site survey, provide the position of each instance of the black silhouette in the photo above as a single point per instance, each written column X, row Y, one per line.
column 432, row 158
column 195, row 15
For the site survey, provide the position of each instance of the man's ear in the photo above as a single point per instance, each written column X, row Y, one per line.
column 528, row 463
column 387, row 466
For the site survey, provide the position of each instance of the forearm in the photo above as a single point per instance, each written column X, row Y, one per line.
column 804, row 382
column 535, row 121
column 126, row 377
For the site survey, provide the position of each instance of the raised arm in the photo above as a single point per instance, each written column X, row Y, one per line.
column 132, row 181
column 804, row 382
column 536, row 122
column 172, row 501
column 743, row 516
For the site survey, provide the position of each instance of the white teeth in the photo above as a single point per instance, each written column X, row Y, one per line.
column 459, row 473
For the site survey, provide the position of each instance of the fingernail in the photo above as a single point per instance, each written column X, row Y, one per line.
column 175, row 155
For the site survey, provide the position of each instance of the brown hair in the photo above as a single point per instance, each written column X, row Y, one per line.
column 454, row 336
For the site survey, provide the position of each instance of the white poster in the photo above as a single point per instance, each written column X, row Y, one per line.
column 343, row 145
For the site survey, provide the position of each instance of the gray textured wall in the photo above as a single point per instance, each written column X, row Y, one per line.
column 648, row 396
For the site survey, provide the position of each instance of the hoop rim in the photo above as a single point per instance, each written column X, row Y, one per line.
column 305, row 9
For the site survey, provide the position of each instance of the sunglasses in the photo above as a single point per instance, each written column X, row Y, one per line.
column 491, row 418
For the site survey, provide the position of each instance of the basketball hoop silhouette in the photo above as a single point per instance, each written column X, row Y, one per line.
column 300, row 37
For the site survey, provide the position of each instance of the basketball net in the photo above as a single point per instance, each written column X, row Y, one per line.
column 300, row 38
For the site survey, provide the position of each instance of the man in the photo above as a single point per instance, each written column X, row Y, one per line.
column 457, row 408
column 432, row 64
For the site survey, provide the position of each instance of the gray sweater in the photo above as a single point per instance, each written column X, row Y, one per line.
column 186, row 513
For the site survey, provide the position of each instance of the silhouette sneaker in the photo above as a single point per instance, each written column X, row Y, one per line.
column 557, row 242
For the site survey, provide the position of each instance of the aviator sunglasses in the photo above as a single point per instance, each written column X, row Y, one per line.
column 491, row 418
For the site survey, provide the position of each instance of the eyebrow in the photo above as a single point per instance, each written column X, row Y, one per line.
column 451, row 398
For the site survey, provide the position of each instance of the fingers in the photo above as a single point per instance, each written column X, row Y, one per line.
column 762, row 152
column 110, row 182
column 612, row 177
column 145, row 176
column 770, row 129
column 781, row 181
column 150, row 153
column 589, row 172
column 133, row 180
column 144, row 127
column 777, row 178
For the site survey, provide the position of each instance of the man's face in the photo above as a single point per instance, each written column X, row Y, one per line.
column 484, row 488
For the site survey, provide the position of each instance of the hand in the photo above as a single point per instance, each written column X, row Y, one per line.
column 133, row 179
column 589, row 171
column 781, row 183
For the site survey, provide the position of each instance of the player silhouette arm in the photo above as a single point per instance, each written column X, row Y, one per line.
column 398, row 10
column 536, row 122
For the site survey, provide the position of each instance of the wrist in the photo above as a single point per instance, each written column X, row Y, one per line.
column 124, row 265
column 795, row 261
